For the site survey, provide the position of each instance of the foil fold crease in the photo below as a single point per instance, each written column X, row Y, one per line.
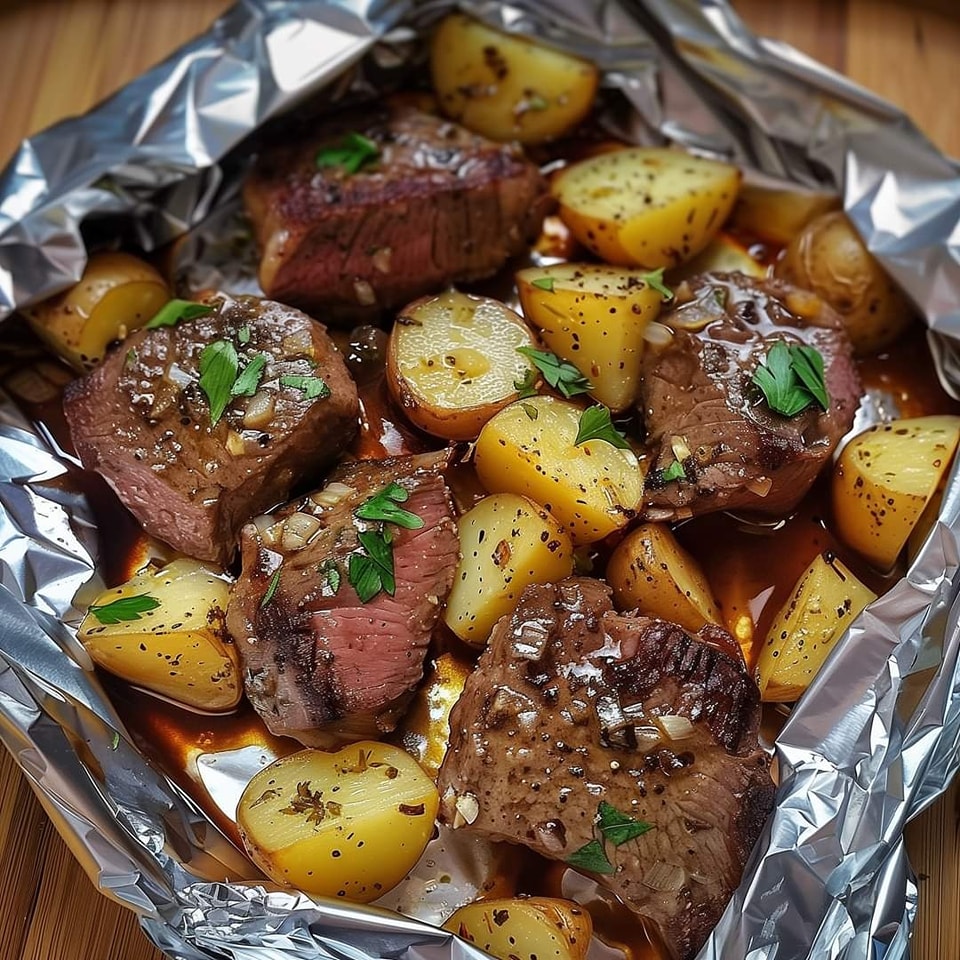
column 830, row 876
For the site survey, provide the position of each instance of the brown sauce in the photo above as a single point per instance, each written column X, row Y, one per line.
column 751, row 575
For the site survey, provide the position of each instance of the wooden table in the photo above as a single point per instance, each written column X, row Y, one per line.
column 59, row 58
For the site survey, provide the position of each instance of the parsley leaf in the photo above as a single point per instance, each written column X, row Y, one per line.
column 124, row 609
column 618, row 827
column 243, row 335
column 544, row 283
column 674, row 472
column 172, row 312
column 115, row 740
column 218, row 373
column 246, row 384
column 271, row 589
column 527, row 385
column 312, row 387
column 654, row 280
column 383, row 506
column 791, row 379
column 561, row 375
column 530, row 410
column 591, row 856
column 331, row 575
column 350, row 153
column 372, row 571
column 595, row 424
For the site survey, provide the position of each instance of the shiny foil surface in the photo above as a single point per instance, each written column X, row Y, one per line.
column 876, row 738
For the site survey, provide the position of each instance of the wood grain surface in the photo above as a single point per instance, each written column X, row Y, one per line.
column 59, row 57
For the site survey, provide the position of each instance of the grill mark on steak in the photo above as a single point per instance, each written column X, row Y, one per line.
column 560, row 715
column 697, row 388
column 356, row 244
column 320, row 665
column 141, row 420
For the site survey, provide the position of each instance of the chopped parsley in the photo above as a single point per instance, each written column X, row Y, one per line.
column 243, row 335
column 595, row 424
column 172, row 312
column 383, row 506
column 312, row 387
column 246, row 384
column 351, row 153
column 674, row 472
column 591, row 856
column 371, row 570
column 219, row 365
column 115, row 740
column 530, row 410
column 125, row 609
column 331, row 575
column 654, row 280
column 271, row 589
column 791, row 379
column 544, row 283
column 560, row 374
column 526, row 386
column 618, row 827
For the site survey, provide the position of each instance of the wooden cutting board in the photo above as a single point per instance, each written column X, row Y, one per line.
column 58, row 58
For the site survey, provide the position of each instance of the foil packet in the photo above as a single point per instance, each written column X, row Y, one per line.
column 877, row 737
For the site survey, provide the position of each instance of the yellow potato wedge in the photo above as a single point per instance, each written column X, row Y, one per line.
column 529, row 449
column 650, row 571
column 452, row 362
column 507, row 86
column 825, row 601
column 594, row 316
column 506, row 542
column 541, row 927
column 723, row 254
column 424, row 731
column 773, row 212
column 884, row 479
column 165, row 630
column 646, row 206
column 116, row 295
column 349, row 824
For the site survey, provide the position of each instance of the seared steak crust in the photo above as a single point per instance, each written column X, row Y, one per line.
column 320, row 665
column 438, row 204
column 143, row 422
column 700, row 408
column 560, row 715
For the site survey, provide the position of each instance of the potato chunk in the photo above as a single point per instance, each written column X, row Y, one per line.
column 534, row 927
column 507, row 86
column 165, row 630
column 529, row 449
column 349, row 824
column 777, row 213
column 884, row 478
column 452, row 362
column 506, row 542
column 646, row 206
column 723, row 254
column 594, row 316
column 651, row 572
column 116, row 295
column 825, row 601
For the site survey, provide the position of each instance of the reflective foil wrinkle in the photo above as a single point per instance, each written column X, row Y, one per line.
column 857, row 758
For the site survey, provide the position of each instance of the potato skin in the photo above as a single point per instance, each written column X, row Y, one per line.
column 825, row 601
column 829, row 258
column 528, row 448
column 348, row 825
column 646, row 207
column 507, row 86
column 117, row 294
column 650, row 571
column 181, row 648
column 452, row 362
column 506, row 542
column 884, row 479
column 544, row 927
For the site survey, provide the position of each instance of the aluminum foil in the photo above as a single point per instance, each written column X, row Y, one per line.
column 877, row 737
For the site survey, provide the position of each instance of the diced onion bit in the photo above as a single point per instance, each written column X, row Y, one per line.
column 759, row 485
column 332, row 494
column 468, row 809
column 674, row 726
column 298, row 528
column 658, row 334
column 665, row 877
column 260, row 410
column 235, row 444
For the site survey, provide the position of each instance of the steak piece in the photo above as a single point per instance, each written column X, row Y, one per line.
column 438, row 204
column 560, row 716
column 142, row 420
column 319, row 664
column 701, row 409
